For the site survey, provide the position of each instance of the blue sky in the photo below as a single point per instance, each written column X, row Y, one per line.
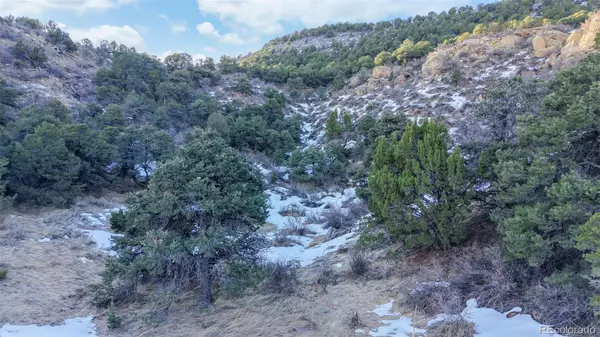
column 209, row 27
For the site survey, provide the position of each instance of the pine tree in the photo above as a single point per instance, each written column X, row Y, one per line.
column 43, row 170
column 333, row 129
column 201, row 208
column 419, row 190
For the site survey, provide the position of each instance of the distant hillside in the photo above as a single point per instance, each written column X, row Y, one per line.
column 330, row 54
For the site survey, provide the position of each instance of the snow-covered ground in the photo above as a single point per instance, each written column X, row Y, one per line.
column 75, row 327
column 487, row 322
column 280, row 202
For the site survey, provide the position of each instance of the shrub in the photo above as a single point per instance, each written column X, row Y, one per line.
column 418, row 190
column 3, row 273
column 240, row 276
column 326, row 276
column 34, row 56
column 29, row 22
column 243, row 86
column 372, row 240
column 456, row 327
column 283, row 240
column 113, row 321
column 359, row 265
column 295, row 226
column 354, row 321
column 282, row 278
column 336, row 217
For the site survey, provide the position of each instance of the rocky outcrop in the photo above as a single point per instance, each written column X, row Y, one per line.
column 579, row 43
column 548, row 42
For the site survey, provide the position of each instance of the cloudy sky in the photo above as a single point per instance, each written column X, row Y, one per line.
column 209, row 27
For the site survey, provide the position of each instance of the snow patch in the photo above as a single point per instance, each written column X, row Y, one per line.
column 75, row 327
column 491, row 323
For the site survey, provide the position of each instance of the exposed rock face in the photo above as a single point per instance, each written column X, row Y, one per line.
column 579, row 43
column 548, row 42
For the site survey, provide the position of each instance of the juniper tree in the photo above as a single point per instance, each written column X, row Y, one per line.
column 201, row 208
column 333, row 129
column 547, row 182
column 419, row 190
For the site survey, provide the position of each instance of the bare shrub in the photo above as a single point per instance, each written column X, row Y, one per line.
column 326, row 276
column 354, row 321
column 292, row 210
column 282, row 278
column 359, row 265
column 357, row 209
column 560, row 306
column 14, row 234
column 432, row 298
column 295, row 226
column 299, row 191
column 283, row 240
column 336, row 217
column 314, row 218
column 457, row 327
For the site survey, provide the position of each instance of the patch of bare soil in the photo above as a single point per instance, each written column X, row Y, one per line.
column 49, row 263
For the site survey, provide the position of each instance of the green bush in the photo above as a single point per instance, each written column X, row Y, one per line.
column 3, row 273
column 113, row 321
column 418, row 190
column 34, row 56
column 241, row 276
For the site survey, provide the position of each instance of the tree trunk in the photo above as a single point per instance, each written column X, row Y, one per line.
column 205, row 295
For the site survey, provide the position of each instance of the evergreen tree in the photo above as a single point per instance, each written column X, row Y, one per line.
column 419, row 190
column 546, row 184
column 5, row 202
column 43, row 170
column 333, row 129
column 201, row 208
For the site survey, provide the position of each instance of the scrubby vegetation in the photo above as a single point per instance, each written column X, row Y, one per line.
column 530, row 167
column 397, row 40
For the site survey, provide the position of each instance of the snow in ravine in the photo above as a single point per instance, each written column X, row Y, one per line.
column 300, row 251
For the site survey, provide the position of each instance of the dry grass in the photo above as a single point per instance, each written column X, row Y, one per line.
column 454, row 328
column 46, row 281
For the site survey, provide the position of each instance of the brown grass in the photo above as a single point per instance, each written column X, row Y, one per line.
column 47, row 280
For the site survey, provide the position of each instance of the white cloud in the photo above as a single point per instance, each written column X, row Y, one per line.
column 37, row 7
column 177, row 26
column 126, row 35
column 268, row 16
column 207, row 29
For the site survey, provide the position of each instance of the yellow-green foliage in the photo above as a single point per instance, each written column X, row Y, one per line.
column 575, row 18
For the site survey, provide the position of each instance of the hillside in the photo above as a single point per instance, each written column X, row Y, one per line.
column 431, row 176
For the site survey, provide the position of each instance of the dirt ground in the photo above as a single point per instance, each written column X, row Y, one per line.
column 50, row 263
column 47, row 284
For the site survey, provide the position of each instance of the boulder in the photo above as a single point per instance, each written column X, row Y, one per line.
column 575, row 36
column 539, row 45
column 548, row 41
column 509, row 42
